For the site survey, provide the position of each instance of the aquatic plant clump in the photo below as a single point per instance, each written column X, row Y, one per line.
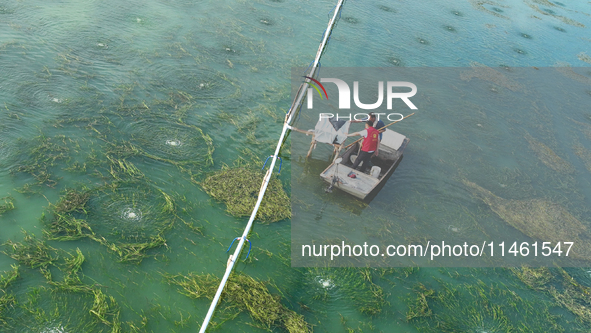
column 67, row 223
column 134, row 252
column 7, row 299
column 478, row 308
column 584, row 155
column 40, row 155
column 239, row 188
column 7, row 206
column 485, row 73
column 31, row 252
column 244, row 293
column 548, row 156
column 129, row 218
column 563, row 288
column 480, row 5
column 50, row 310
column 355, row 284
column 538, row 218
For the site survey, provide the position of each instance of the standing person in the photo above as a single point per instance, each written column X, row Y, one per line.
column 376, row 124
column 369, row 146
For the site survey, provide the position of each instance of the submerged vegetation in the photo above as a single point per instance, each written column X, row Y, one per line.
column 7, row 299
column 31, row 252
column 559, row 285
column 548, row 156
column 243, row 293
column 538, row 218
column 49, row 310
column 126, row 125
column 129, row 218
column 238, row 187
column 355, row 284
column 8, row 204
column 41, row 155
column 478, row 307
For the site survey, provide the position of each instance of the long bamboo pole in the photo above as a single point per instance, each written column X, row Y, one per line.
column 379, row 129
column 289, row 119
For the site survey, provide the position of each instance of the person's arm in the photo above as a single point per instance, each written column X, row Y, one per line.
column 359, row 121
column 362, row 133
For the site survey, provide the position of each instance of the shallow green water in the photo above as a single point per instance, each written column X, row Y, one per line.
column 89, row 78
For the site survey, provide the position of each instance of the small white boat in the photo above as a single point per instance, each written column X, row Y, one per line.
column 367, row 185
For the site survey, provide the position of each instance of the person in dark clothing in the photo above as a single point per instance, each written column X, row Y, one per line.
column 369, row 146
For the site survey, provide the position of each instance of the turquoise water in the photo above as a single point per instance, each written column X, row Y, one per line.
column 90, row 77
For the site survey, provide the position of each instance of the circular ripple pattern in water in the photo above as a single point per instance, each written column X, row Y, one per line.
column 194, row 83
column 129, row 212
column 171, row 141
column 51, row 311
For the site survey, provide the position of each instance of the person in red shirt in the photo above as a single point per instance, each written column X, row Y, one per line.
column 369, row 146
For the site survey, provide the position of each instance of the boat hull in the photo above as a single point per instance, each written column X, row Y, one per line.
column 363, row 186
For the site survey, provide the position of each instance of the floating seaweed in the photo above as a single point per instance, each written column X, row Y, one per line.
column 243, row 293
column 480, row 5
column 51, row 310
column 533, row 4
column 535, row 278
column 65, row 225
column 71, row 265
column 43, row 153
column 419, row 308
column 566, row 70
column 9, row 277
column 489, row 74
column 548, row 156
column 133, row 252
column 7, row 299
column 563, row 288
column 238, row 188
column 355, row 284
column 8, row 204
column 584, row 155
column 31, row 252
column 584, row 57
column 478, row 308
column 538, row 218
column 129, row 218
